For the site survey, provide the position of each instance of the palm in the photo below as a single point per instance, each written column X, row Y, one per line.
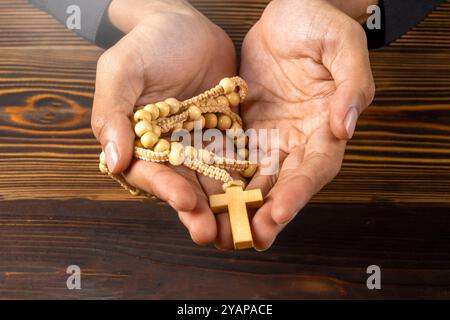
column 294, row 97
column 290, row 90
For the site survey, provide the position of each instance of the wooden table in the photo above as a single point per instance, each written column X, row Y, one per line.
column 390, row 206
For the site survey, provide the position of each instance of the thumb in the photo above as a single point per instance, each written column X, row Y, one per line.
column 116, row 92
column 355, row 89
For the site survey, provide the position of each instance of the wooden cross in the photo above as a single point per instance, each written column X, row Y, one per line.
column 235, row 200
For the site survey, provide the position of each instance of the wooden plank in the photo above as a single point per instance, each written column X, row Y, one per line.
column 137, row 251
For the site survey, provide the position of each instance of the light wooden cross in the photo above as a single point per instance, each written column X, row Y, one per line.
column 235, row 200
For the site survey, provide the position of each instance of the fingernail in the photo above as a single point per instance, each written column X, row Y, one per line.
column 112, row 155
column 350, row 121
column 219, row 247
column 265, row 248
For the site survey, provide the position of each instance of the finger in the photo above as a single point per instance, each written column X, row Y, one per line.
column 163, row 182
column 224, row 239
column 264, row 232
column 349, row 64
column 118, row 86
column 303, row 174
column 200, row 221
column 290, row 193
column 264, row 229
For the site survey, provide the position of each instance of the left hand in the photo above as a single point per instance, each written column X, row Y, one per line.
column 308, row 69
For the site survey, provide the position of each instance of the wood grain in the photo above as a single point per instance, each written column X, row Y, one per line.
column 389, row 206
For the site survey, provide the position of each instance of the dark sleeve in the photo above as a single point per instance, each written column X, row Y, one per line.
column 398, row 17
column 95, row 24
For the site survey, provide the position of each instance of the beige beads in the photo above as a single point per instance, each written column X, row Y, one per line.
column 242, row 153
column 143, row 127
column 190, row 152
column 153, row 123
column 228, row 85
column 188, row 125
column 176, row 155
column 149, row 139
column 204, row 156
column 250, row 171
column 224, row 122
column 209, row 110
column 210, row 120
column 178, row 126
column 157, row 130
column 234, row 99
column 241, row 141
column 194, row 113
column 142, row 115
column 153, row 109
column 103, row 158
column 174, row 105
column 162, row 145
column 164, row 109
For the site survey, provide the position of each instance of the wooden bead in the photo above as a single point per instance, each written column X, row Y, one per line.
column 162, row 145
column 204, row 156
column 199, row 124
column 242, row 154
column 194, row 113
column 174, row 104
column 103, row 168
column 202, row 121
column 188, row 125
column 250, row 171
column 164, row 109
column 176, row 155
column 103, row 158
column 228, row 85
column 224, row 122
column 178, row 126
column 241, row 141
column 235, row 131
column 153, row 109
column 142, row 115
column 142, row 127
column 223, row 101
column 234, row 99
column 149, row 139
column 190, row 152
column 156, row 130
column 236, row 126
column 210, row 120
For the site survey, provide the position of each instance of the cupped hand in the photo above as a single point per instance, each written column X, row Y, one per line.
column 170, row 50
column 309, row 75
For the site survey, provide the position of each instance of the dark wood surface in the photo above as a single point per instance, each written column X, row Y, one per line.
column 390, row 205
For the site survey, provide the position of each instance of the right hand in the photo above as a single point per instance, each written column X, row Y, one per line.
column 170, row 50
column 309, row 75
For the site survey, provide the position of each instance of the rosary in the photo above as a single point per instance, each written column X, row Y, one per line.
column 211, row 109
